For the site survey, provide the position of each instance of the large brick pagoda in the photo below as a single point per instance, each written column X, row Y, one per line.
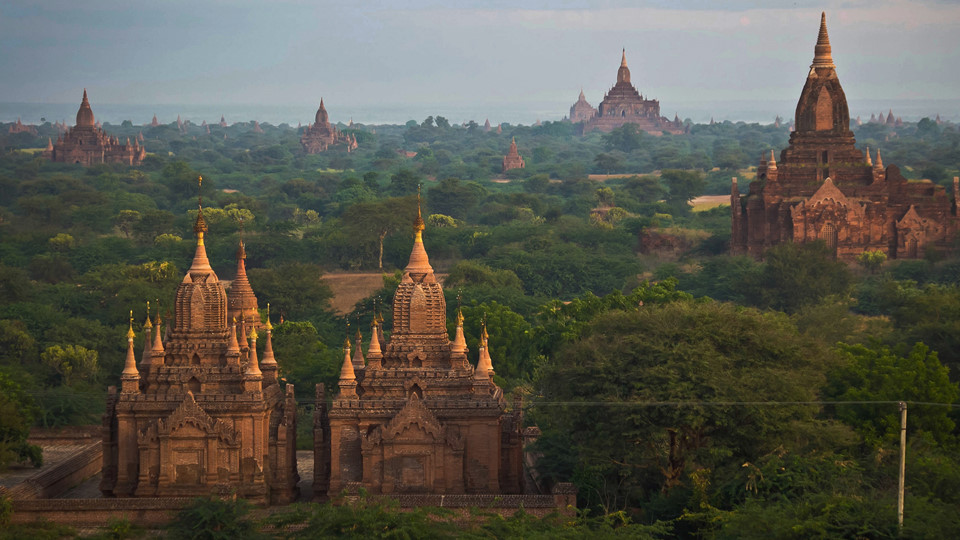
column 825, row 188
column 201, row 414
column 513, row 159
column 623, row 104
column 321, row 135
column 414, row 417
column 87, row 144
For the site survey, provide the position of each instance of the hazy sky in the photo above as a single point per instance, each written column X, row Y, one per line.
column 355, row 53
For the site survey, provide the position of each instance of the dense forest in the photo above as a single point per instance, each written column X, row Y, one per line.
column 686, row 392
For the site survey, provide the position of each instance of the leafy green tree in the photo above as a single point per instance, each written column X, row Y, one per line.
column 511, row 344
column 16, row 416
column 294, row 289
column 795, row 275
column 872, row 261
column 651, row 405
column 878, row 373
column 371, row 222
column 71, row 362
column 683, row 187
column 303, row 358
column 215, row 519
column 625, row 138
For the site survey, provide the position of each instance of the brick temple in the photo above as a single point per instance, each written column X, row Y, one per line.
column 321, row 135
column 513, row 160
column 87, row 144
column 202, row 414
column 824, row 188
column 622, row 105
column 414, row 416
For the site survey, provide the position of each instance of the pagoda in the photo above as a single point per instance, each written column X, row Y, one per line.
column 825, row 188
column 582, row 111
column 201, row 414
column 512, row 160
column 321, row 135
column 87, row 144
column 622, row 105
column 414, row 416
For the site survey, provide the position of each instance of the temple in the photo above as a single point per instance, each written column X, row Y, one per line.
column 87, row 144
column 824, row 188
column 512, row 160
column 413, row 416
column 582, row 111
column 20, row 127
column 201, row 414
column 321, row 135
column 622, row 105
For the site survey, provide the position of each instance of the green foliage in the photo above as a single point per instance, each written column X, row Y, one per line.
column 795, row 275
column 677, row 352
column 214, row 519
column 16, row 416
column 72, row 362
column 877, row 373
column 293, row 289
column 40, row 530
column 304, row 360
column 872, row 261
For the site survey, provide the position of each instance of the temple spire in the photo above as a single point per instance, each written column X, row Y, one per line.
column 822, row 53
column 419, row 262
column 485, row 364
column 269, row 360
column 358, row 361
column 157, row 338
column 200, row 261
column 130, row 377
column 253, row 364
column 869, row 160
column 623, row 74
column 147, row 330
column 233, row 346
column 374, row 352
column 459, row 344
column 879, row 164
column 346, row 371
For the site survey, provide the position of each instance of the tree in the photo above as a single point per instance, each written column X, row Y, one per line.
column 795, row 275
column 682, row 186
column 294, row 289
column 878, row 373
column 370, row 222
column 442, row 122
column 602, row 395
column 625, row 138
column 304, row 360
column 404, row 182
column 872, row 261
column 16, row 417
column 72, row 362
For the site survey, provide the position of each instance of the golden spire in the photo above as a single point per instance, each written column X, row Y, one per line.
column 157, row 338
column 459, row 344
column 879, row 164
column 419, row 262
column 147, row 324
column 869, row 161
column 822, row 56
column 130, row 375
column 418, row 225
column 253, row 333
column 200, row 226
column 130, row 334
column 253, row 364
column 268, row 326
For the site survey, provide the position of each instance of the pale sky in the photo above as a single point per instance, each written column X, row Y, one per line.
column 356, row 53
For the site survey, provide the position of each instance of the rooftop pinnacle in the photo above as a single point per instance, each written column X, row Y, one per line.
column 822, row 56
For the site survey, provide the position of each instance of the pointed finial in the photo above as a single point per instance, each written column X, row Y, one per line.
column 879, row 164
column 147, row 323
column 130, row 334
column 822, row 53
column 623, row 59
column 268, row 326
column 241, row 249
column 869, row 160
column 418, row 224
column 253, row 333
